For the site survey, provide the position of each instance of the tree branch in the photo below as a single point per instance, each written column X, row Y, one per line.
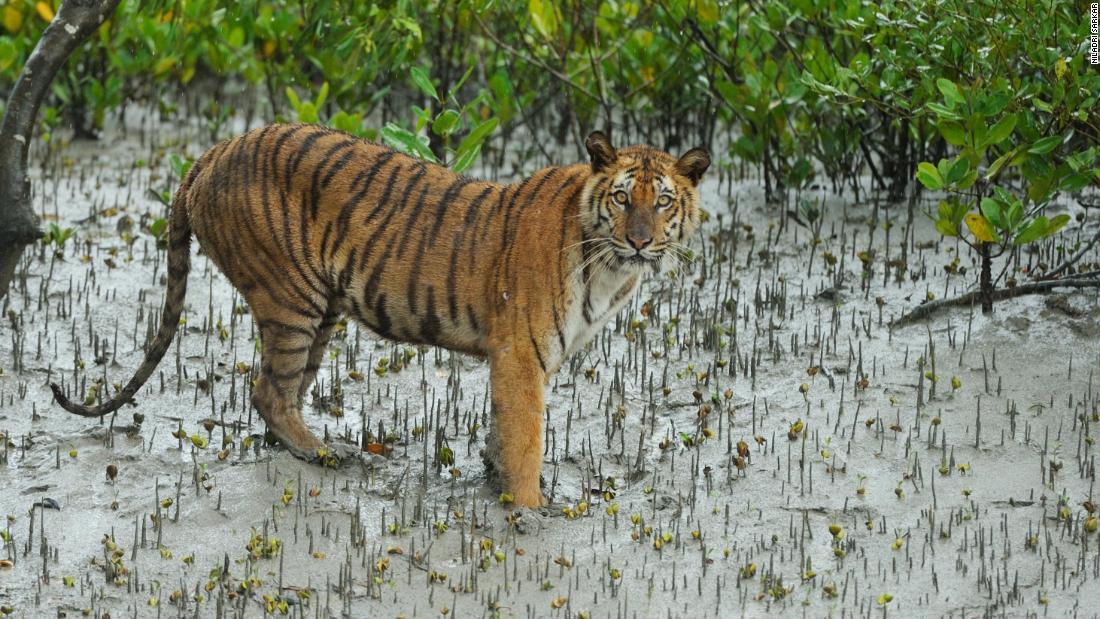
column 1075, row 258
column 969, row 298
column 75, row 21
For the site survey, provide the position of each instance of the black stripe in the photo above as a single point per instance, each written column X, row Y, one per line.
column 288, row 243
column 472, row 316
column 345, row 275
column 383, row 326
column 557, row 326
column 411, row 221
column 296, row 159
column 382, row 227
column 483, row 221
column 296, row 350
column 509, row 238
column 308, row 255
column 344, row 220
column 265, row 184
column 376, row 272
column 383, row 201
column 315, row 184
column 324, row 243
column 282, row 376
column 382, row 261
column 340, row 164
column 472, row 210
column 264, row 279
column 454, row 190
column 585, row 306
column 430, row 325
column 538, row 353
column 286, row 327
column 508, row 235
column 256, row 152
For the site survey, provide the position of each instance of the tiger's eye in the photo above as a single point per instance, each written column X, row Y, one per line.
column 619, row 197
column 664, row 201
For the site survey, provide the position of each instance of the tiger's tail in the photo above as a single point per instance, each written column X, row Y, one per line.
column 179, row 264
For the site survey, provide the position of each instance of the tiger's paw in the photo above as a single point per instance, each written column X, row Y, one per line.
column 532, row 499
column 298, row 440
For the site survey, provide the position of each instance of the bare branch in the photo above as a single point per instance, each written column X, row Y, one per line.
column 973, row 297
column 75, row 21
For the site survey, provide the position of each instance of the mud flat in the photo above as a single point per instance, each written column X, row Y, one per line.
column 748, row 437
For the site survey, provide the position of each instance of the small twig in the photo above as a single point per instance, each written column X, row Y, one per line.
column 711, row 50
column 1075, row 258
column 1004, row 293
column 549, row 69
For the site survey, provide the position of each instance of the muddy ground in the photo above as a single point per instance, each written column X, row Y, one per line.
column 938, row 469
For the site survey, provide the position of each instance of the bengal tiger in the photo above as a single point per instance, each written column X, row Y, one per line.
column 311, row 224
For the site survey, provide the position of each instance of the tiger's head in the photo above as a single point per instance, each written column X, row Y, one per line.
column 640, row 204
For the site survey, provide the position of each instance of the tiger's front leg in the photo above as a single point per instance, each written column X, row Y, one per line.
column 517, row 383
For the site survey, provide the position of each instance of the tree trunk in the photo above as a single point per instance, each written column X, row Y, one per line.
column 986, row 284
column 75, row 21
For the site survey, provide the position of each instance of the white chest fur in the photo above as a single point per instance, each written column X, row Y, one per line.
column 595, row 304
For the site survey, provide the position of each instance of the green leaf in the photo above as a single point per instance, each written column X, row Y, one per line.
column 952, row 132
column 995, row 168
column 991, row 209
column 477, row 135
column 994, row 103
column 307, row 113
column 159, row 227
column 968, row 180
column 1031, row 232
column 1074, row 182
column 707, row 10
column 957, row 171
column 929, row 176
column 293, row 97
column 406, row 141
column 236, row 37
column 466, row 159
column 1015, row 214
column 1040, row 188
column 423, row 82
column 1000, row 131
column 8, row 53
column 465, row 76
column 947, row 227
column 544, row 17
column 445, row 123
column 950, row 92
column 1056, row 224
column 942, row 112
column 1045, row 145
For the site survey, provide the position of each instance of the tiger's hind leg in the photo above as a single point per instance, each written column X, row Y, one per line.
column 317, row 353
column 285, row 357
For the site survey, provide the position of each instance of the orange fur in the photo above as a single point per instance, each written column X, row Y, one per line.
column 310, row 224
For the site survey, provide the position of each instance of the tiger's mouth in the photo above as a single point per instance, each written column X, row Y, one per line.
column 640, row 261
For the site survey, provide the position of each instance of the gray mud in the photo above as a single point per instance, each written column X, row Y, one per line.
column 953, row 456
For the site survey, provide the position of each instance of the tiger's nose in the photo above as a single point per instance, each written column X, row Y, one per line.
column 639, row 243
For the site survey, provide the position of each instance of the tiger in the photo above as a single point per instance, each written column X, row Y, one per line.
column 311, row 224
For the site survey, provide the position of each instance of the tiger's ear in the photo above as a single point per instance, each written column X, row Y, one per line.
column 600, row 150
column 692, row 164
